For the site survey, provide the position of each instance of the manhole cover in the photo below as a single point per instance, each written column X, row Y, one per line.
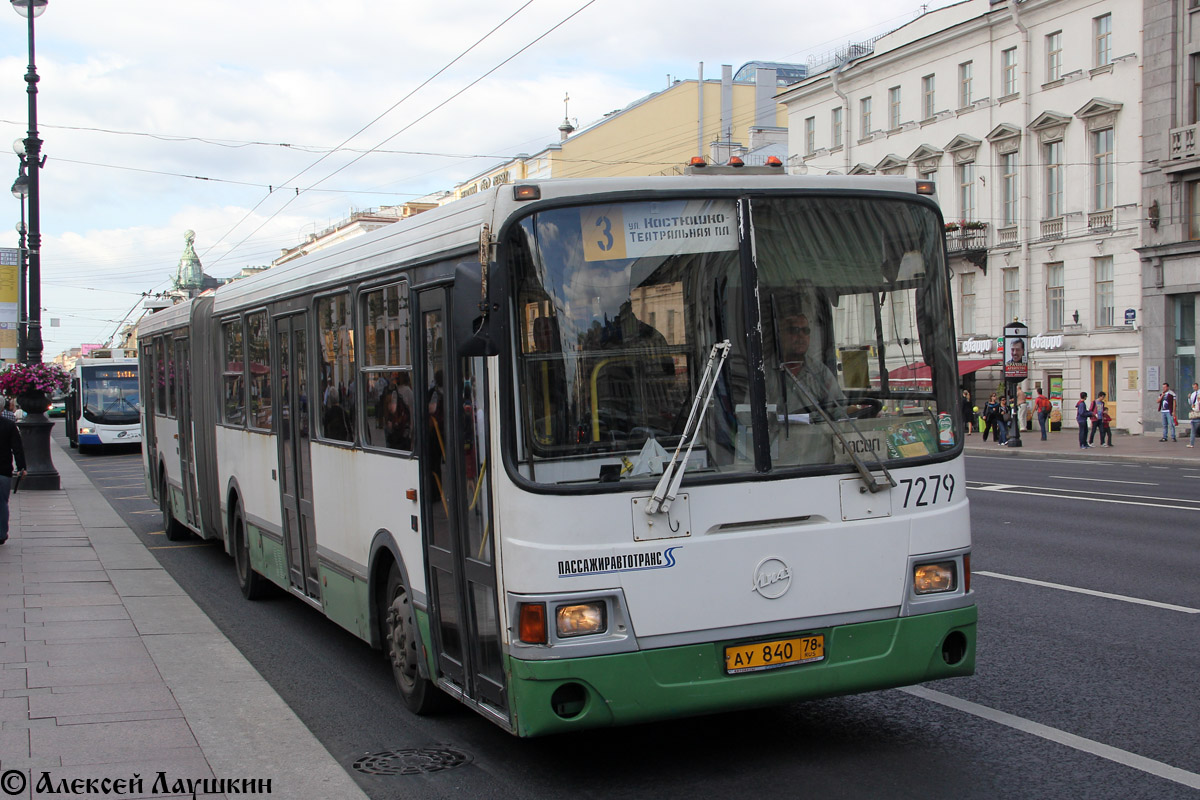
column 412, row 761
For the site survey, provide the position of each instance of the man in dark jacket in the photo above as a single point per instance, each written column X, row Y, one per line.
column 10, row 450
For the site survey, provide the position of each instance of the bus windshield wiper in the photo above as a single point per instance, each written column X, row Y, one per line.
column 873, row 484
column 668, row 484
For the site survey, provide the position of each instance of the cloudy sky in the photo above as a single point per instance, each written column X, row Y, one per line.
column 225, row 117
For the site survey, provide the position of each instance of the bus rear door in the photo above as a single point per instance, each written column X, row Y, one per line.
column 295, row 459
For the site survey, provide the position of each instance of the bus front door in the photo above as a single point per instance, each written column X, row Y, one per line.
column 456, row 507
column 184, row 406
column 295, row 459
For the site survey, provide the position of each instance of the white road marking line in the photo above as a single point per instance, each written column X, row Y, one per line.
column 1090, row 746
column 1158, row 502
column 1093, row 592
column 1102, row 480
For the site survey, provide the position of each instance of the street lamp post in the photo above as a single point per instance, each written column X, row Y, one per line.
column 35, row 428
column 20, row 190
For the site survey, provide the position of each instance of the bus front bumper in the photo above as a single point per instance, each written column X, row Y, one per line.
column 579, row 693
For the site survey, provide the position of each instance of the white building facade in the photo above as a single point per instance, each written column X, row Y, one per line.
column 1028, row 118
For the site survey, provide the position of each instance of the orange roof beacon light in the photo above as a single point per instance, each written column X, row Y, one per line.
column 734, row 161
column 774, row 161
column 697, row 161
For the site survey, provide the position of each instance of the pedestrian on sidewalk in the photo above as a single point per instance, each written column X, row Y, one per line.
column 1022, row 408
column 1194, row 411
column 10, row 409
column 1004, row 418
column 990, row 409
column 968, row 412
column 1103, row 420
column 1082, row 415
column 1166, row 406
column 1095, row 411
column 1043, row 407
column 10, row 450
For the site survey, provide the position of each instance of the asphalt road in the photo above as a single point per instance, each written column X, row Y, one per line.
column 1088, row 657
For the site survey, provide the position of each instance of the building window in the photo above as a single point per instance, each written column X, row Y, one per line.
column 810, row 135
column 966, row 191
column 1054, row 56
column 893, row 108
column 1195, row 77
column 1008, row 183
column 1012, row 294
column 1008, row 71
column 1193, row 210
column 1105, row 308
column 1054, row 296
column 1185, row 342
column 1054, row 180
column 1102, row 25
column 965, row 73
column 864, row 107
column 1102, row 169
column 928, row 104
column 835, row 125
column 967, row 282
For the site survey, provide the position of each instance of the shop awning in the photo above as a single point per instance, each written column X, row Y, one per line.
column 921, row 372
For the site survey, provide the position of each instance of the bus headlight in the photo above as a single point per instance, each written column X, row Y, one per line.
column 581, row 619
column 86, row 430
column 934, row 578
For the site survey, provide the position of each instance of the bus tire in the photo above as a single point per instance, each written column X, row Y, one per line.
column 420, row 695
column 253, row 585
column 173, row 528
column 72, row 442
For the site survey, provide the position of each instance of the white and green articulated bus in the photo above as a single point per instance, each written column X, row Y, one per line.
column 585, row 453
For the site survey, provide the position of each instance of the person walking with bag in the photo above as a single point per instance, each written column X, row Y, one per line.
column 10, row 450
column 1004, row 418
column 1082, row 415
column 1166, row 406
column 1194, row 411
column 1043, row 407
column 990, row 410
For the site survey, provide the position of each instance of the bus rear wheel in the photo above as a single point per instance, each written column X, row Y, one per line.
column 253, row 585
column 174, row 529
column 400, row 644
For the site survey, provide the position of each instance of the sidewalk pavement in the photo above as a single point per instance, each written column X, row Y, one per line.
column 109, row 670
column 1145, row 449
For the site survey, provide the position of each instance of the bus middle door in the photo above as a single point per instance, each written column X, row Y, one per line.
column 295, row 459
column 183, row 387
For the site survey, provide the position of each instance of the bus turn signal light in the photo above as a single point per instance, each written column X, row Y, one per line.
column 527, row 192
column 926, row 187
column 532, row 623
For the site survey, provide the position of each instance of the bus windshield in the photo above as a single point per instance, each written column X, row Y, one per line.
column 619, row 305
column 109, row 395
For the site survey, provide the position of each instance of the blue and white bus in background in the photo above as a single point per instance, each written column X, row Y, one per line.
column 102, row 408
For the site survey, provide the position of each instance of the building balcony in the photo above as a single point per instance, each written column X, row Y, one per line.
column 1100, row 221
column 969, row 242
column 1006, row 236
column 1184, row 142
column 1052, row 228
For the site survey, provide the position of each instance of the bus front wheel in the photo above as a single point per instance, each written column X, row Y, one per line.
column 253, row 585
column 400, row 643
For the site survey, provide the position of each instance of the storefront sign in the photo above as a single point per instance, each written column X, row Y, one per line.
column 974, row 345
column 1046, row 342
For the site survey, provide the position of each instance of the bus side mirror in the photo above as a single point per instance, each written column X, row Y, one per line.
column 470, row 317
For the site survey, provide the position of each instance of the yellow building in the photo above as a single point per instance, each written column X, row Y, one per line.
column 659, row 134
